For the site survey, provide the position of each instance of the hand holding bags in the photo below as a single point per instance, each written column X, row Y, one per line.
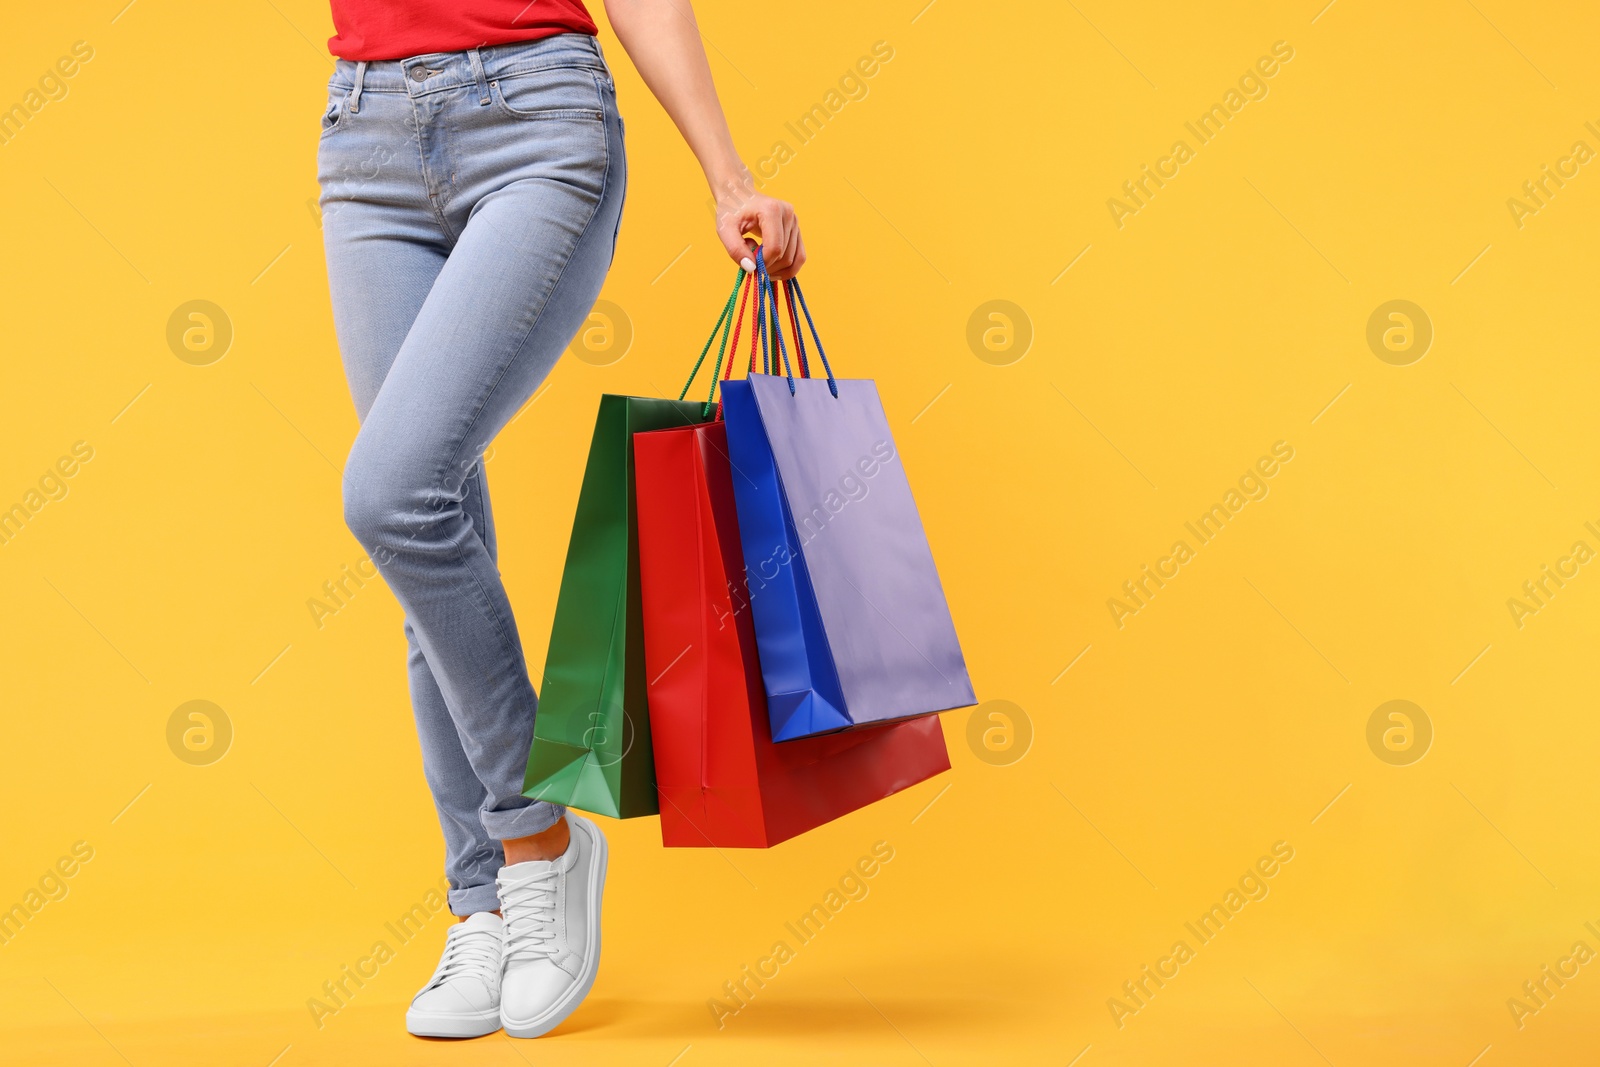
column 721, row 778
column 850, row 617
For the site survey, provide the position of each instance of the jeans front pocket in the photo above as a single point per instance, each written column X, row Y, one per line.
column 334, row 112
column 551, row 93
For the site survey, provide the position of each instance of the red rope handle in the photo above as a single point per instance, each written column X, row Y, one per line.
column 738, row 324
column 756, row 326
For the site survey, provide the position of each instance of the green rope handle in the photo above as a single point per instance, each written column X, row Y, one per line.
column 725, row 317
column 732, row 327
column 716, row 372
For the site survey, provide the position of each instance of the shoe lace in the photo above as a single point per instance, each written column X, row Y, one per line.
column 529, row 908
column 467, row 952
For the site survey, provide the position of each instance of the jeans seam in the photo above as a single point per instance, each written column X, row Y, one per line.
column 519, row 71
column 486, row 535
column 623, row 201
column 427, row 178
column 515, row 653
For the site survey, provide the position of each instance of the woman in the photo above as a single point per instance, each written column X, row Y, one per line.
column 472, row 177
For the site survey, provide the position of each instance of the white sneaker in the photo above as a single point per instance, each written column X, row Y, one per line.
column 462, row 999
column 552, row 932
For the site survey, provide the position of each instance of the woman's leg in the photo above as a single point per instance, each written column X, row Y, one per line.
column 528, row 236
column 518, row 172
column 384, row 252
column 531, row 200
column 518, row 284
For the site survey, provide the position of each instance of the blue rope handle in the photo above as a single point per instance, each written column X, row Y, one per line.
column 761, row 317
column 794, row 324
column 833, row 386
column 770, row 304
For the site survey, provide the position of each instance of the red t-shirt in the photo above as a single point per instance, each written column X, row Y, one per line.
column 397, row 29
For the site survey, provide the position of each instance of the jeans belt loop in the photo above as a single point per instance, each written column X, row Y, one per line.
column 355, row 90
column 476, row 58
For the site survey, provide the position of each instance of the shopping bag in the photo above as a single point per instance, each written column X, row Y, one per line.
column 722, row 780
column 591, row 733
column 850, row 617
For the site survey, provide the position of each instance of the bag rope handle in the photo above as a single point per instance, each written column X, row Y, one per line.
column 746, row 284
column 727, row 308
column 833, row 385
column 771, row 306
column 764, row 308
column 794, row 328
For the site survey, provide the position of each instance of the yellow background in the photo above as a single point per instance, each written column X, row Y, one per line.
column 1223, row 717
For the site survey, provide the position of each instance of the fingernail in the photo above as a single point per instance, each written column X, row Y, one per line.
column 748, row 264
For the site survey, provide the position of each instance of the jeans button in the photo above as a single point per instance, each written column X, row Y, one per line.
column 419, row 74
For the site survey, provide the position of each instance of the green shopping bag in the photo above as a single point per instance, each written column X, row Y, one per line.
column 591, row 734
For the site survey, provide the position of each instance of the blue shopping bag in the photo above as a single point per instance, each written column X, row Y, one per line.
column 850, row 618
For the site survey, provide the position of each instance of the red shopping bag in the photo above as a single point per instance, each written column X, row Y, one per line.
column 720, row 777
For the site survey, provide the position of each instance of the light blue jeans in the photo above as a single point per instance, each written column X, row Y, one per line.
column 470, row 204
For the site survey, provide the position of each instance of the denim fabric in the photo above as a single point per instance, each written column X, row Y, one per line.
column 470, row 204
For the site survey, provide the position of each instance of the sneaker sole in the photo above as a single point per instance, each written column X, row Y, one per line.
column 557, row 1013
column 438, row 1024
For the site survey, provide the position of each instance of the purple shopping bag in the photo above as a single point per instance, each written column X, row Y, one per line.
column 850, row 618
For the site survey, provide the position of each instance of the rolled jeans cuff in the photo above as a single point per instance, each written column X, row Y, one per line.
column 473, row 899
column 532, row 818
